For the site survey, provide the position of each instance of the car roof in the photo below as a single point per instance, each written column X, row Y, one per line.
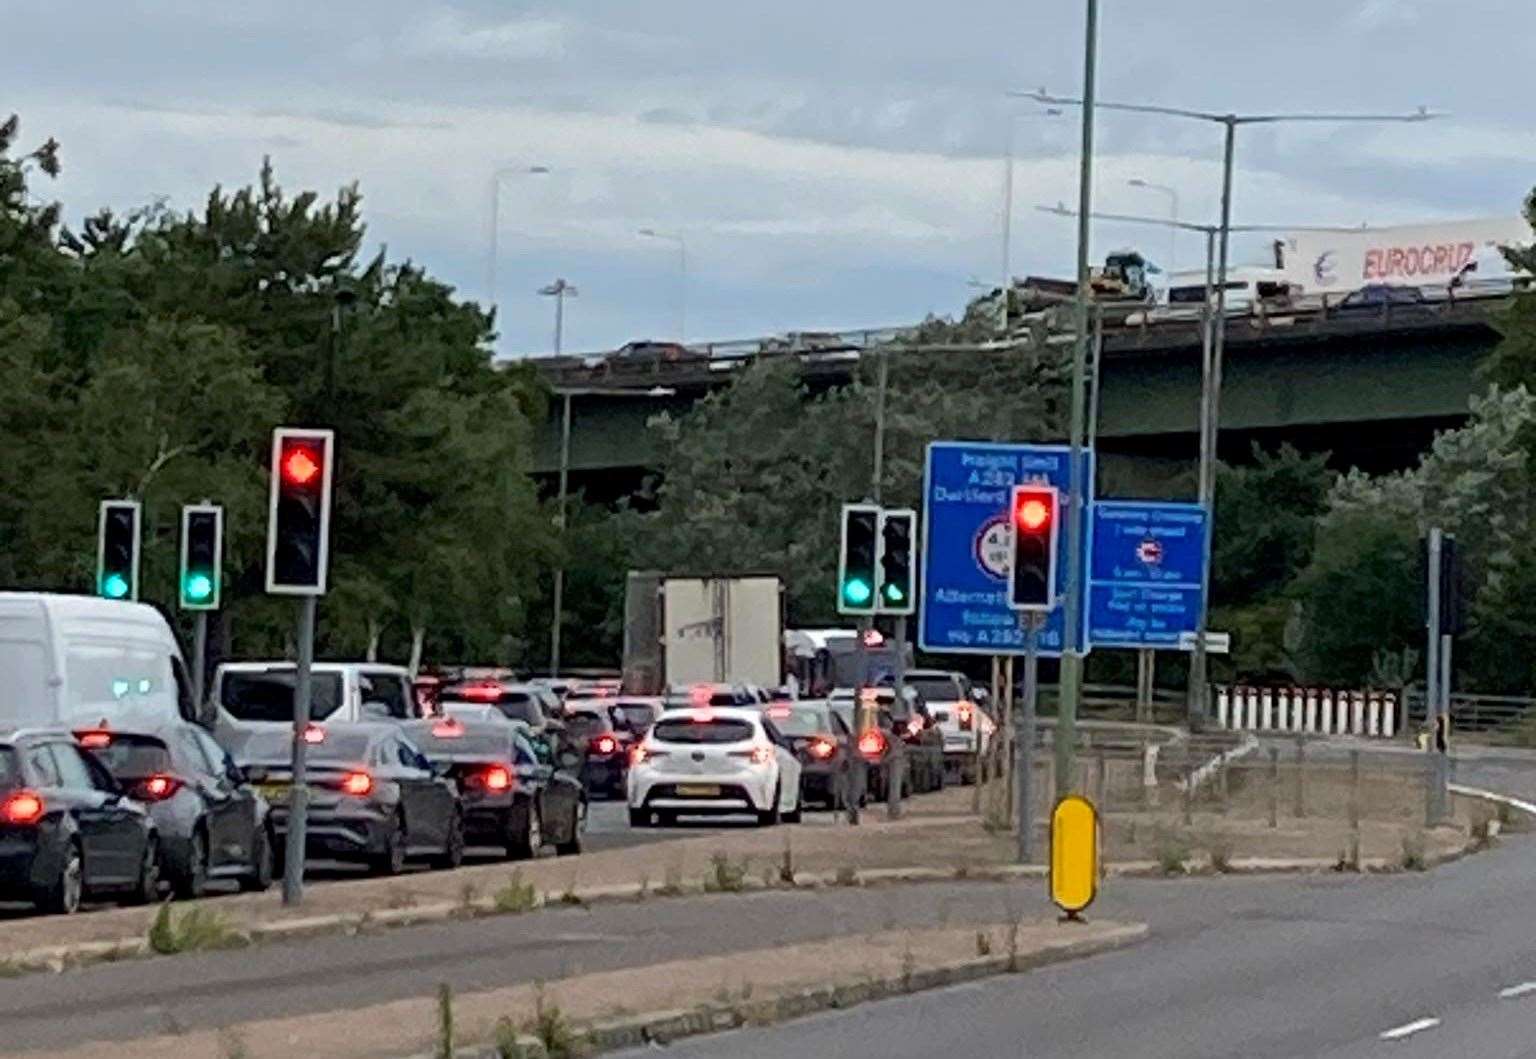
column 318, row 667
column 729, row 713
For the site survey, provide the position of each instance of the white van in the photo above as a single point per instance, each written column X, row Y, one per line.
column 255, row 695
column 80, row 660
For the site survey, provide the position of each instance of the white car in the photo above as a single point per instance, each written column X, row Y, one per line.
column 713, row 760
column 965, row 725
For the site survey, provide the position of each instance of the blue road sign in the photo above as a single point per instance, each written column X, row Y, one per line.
column 967, row 544
column 1144, row 573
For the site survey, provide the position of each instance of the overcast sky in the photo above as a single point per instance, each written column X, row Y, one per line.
column 831, row 164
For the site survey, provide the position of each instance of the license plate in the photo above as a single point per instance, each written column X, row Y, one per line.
column 699, row 790
column 275, row 793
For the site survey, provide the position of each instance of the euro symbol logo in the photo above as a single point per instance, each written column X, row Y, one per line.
column 1322, row 269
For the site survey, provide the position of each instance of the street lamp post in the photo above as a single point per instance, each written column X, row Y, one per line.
column 682, row 283
column 1211, row 393
column 559, row 290
column 493, row 228
column 558, row 593
column 1173, row 215
column 1013, row 124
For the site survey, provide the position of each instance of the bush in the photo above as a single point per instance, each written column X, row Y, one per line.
column 1219, row 846
column 1413, row 852
column 725, row 877
column 195, row 930
column 551, row 1026
column 1171, row 848
column 515, row 897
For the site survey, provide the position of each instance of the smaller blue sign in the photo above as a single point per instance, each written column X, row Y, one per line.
column 1145, row 573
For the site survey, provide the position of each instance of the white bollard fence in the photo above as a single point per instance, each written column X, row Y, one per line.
column 1326, row 711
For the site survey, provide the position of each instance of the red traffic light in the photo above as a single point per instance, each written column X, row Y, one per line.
column 1032, row 511
column 300, row 465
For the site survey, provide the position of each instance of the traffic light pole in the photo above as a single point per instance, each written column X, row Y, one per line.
column 298, row 793
column 1024, row 738
column 899, row 758
column 199, row 661
column 1434, row 794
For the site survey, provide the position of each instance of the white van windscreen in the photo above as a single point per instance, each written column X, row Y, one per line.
column 24, row 676
column 108, row 679
column 267, row 695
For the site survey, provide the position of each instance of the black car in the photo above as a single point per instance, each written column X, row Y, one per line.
column 212, row 824
column 1377, row 298
column 604, row 739
column 66, row 829
column 908, row 727
column 818, row 736
column 513, row 795
column 373, row 796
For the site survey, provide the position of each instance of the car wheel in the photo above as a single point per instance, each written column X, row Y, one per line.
column 770, row 816
column 527, row 843
column 391, row 860
column 147, row 889
column 453, row 850
column 63, row 897
column 263, row 863
column 192, row 880
column 572, row 845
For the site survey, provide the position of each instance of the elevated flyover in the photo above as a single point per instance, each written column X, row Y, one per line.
column 1370, row 388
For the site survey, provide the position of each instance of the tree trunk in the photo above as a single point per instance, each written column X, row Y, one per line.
column 418, row 635
column 373, row 639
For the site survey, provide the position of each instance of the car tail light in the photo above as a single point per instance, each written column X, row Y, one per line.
column 313, row 734
column 497, row 778
column 871, row 744
column 820, row 749
column 965, row 717
column 23, row 807
column 481, row 692
column 157, row 788
column 357, row 783
column 758, row 755
column 95, row 740
column 448, row 728
column 915, row 726
column 605, row 744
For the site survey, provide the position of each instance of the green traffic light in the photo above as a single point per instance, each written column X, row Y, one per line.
column 856, row 591
column 114, row 586
column 198, row 588
column 894, row 593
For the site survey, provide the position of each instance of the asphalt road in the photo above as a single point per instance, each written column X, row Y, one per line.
column 1283, row 967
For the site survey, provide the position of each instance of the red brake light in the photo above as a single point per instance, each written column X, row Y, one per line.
column 94, row 740
column 357, row 783
column 820, row 748
column 761, row 755
column 448, row 728
column 605, row 744
column 700, row 694
column 778, row 712
column 871, row 743
column 23, row 807
column 482, row 692
column 159, row 787
column 498, row 778
column 313, row 734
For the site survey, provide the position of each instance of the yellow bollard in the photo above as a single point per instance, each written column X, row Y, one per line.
column 1074, row 878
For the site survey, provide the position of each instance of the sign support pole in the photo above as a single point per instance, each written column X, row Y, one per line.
column 1432, row 682
column 899, row 760
column 1024, row 738
column 298, row 793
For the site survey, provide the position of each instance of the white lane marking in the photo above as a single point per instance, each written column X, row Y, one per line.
column 1517, row 990
column 1410, row 1028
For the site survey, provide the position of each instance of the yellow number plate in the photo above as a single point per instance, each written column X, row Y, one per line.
column 699, row 790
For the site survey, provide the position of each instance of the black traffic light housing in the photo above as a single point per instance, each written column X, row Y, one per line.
column 117, row 549
column 858, row 574
column 1034, row 512
column 898, row 581
column 299, row 514
column 201, row 579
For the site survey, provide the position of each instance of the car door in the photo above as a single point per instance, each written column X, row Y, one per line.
column 427, row 803
column 532, row 775
column 562, row 802
column 111, row 834
column 228, row 833
column 789, row 765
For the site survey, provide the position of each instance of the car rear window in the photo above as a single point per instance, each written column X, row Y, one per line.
column 516, row 704
column 935, row 689
column 276, row 748
column 133, row 756
column 583, row 724
column 699, row 730
column 267, row 695
column 468, row 745
column 800, row 720
column 637, row 716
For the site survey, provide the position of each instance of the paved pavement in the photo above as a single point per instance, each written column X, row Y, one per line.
column 1286, row 967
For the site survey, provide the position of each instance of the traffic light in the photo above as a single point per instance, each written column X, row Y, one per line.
column 117, row 550
column 858, row 568
column 897, row 583
column 202, row 556
column 299, row 516
column 1032, row 583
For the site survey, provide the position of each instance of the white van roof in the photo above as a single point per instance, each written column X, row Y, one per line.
column 317, row 667
column 62, row 608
